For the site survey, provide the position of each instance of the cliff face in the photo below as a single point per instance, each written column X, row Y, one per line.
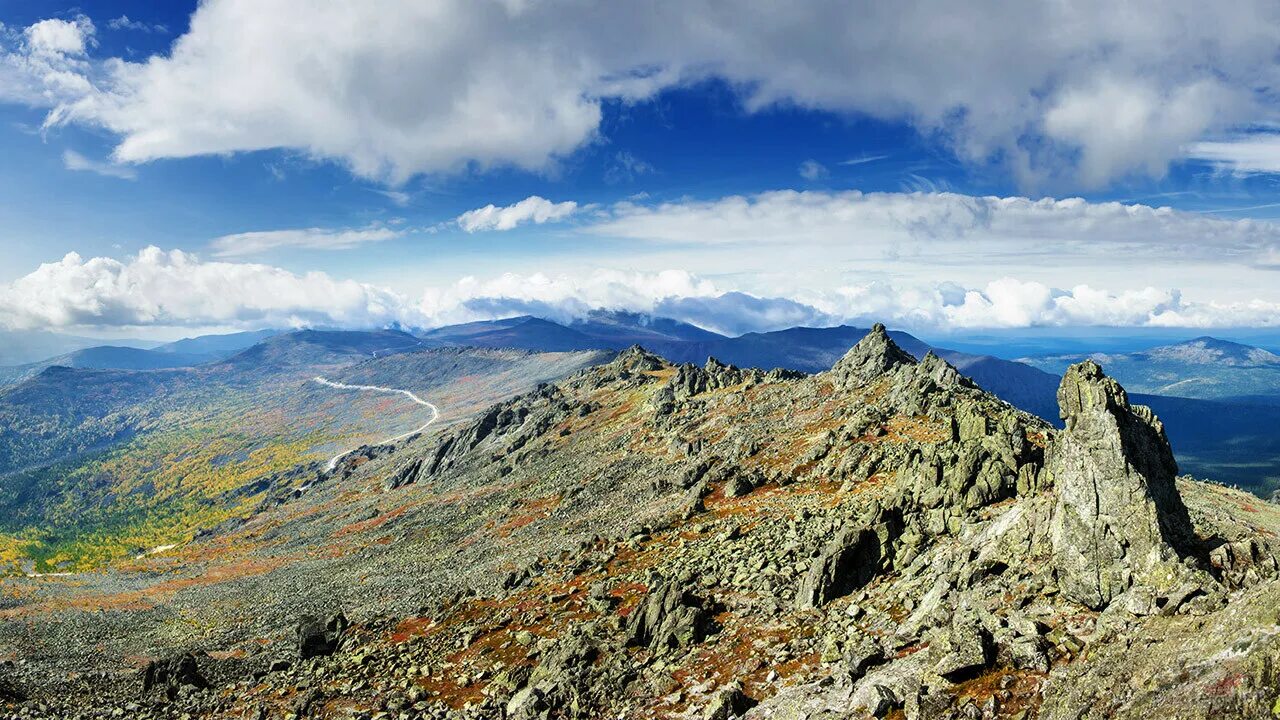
column 648, row 540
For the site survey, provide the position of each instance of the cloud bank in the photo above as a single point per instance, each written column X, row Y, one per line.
column 947, row 227
column 176, row 289
column 1082, row 92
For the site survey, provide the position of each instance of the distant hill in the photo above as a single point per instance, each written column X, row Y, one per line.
column 1205, row 367
column 519, row 333
column 216, row 346
column 104, row 358
column 23, row 347
column 321, row 347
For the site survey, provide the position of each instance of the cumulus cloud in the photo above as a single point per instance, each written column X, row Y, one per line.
column 60, row 37
column 176, row 289
column 253, row 243
column 1081, row 92
column 533, row 209
column 73, row 160
column 46, row 64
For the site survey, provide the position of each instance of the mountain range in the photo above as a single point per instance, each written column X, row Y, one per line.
column 1222, row 399
column 642, row 539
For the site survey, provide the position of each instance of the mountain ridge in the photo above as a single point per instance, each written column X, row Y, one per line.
column 645, row 539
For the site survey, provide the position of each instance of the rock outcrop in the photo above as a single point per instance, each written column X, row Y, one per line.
column 669, row 617
column 874, row 355
column 1118, row 519
column 846, row 563
column 170, row 675
column 316, row 638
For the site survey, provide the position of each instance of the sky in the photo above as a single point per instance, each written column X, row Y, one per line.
column 177, row 167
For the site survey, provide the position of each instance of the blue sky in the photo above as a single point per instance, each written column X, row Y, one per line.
column 790, row 158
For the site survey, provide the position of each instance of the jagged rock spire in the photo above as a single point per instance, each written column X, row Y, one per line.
column 875, row 354
column 1118, row 518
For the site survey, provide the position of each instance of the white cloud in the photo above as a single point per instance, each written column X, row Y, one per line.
column 863, row 160
column 60, row 37
column 1246, row 154
column 533, row 209
column 1082, row 92
column 73, row 160
column 252, row 243
column 45, row 64
column 124, row 23
column 626, row 167
column 813, row 170
column 176, row 289
column 948, row 228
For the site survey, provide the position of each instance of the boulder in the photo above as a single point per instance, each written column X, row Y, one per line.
column 845, row 564
column 1118, row 518
column 171, row 674
column 965, row 647
column 729, row 702
column 669, row 617
column 316, row 638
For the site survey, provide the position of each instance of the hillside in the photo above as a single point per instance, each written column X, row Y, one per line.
column 104, row 358
column 1206, row 368
column 648, row 540
column 96, row 465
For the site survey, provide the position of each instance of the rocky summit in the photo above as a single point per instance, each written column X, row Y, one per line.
column 649, row 540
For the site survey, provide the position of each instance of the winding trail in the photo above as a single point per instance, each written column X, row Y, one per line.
column 435, row 412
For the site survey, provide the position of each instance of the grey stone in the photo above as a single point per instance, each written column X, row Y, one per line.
column 845, row 564
column 1118, row 517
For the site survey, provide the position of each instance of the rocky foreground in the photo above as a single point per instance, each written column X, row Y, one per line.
column 646, row 540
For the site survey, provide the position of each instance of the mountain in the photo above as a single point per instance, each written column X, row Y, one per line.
column 104, row 358
column 305, row 348
column 22, row 347
column 801, row 348
column 1205, row 367
column 629, row 328
column 648, row 540
column 216, row 346
column 522, row 333
column 95, row 464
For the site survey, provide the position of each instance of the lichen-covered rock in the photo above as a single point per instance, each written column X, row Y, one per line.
column 873, row 356
column 669, row 617
column 729, row 702
column 964, row 647
column 316, row 638
column 845, row 564
column 1118, row 519
column 170, row 675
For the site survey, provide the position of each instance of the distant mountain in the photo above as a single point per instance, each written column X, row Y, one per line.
column 216, row 346
column 800, row 348
column 104, row 358
column 22, row 347
column 520, row 333
column 321, row 347
column 631, row 328
column 1205, row 367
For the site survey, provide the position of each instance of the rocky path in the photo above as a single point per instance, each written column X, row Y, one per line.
column 435, row 412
